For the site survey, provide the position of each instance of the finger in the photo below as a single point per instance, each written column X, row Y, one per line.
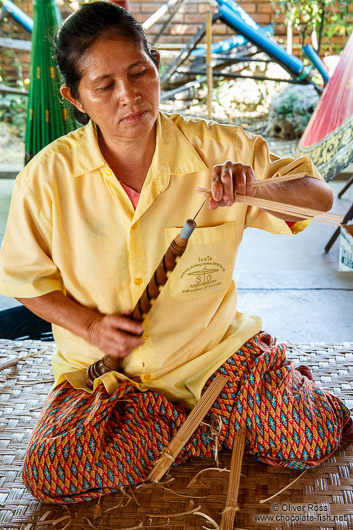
column 250, row 190
column 213, row 205
column 126, row 324
column 120, row 344
column 227, row 182
column 216, row 184
column 125, row 343
column 240, row 176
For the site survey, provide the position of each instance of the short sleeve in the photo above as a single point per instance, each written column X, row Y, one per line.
column 267, row 165
column 26, row 267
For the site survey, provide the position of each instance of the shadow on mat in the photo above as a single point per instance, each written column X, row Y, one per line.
column 18, row 323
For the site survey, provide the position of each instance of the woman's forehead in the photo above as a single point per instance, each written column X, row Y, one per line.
column 113, row 51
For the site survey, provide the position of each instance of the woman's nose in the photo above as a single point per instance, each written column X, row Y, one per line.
column 128, row 93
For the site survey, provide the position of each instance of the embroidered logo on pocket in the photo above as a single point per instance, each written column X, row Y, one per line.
column 203, row 275
column 206, row 267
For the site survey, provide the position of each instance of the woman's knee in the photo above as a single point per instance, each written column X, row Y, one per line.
column 35, row 475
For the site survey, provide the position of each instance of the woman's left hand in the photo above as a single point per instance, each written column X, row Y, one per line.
column 228, row 179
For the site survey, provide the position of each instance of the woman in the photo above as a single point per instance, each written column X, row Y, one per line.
column 91, row 217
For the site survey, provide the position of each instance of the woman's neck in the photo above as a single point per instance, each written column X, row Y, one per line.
column 129, row 159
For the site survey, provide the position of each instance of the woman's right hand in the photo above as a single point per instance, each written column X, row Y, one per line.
column 116, row 335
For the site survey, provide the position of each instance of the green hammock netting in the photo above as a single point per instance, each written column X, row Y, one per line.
column 48, row 117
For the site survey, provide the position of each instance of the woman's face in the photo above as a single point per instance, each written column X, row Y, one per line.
column 119, row 88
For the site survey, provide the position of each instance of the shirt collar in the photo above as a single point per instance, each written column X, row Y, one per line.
column 174, row 154
column 88, row 155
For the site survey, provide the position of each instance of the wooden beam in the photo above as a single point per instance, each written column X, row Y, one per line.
column 11, row 90
column 17, row 44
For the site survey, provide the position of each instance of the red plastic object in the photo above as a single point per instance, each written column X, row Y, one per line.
column 328, row 137
column 121, row 3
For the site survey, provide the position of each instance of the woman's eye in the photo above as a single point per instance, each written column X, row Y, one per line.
column 139, row 74
column 107, row 87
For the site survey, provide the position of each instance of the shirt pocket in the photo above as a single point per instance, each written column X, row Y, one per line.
column 206, row 267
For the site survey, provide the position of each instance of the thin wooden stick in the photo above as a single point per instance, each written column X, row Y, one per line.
column 16, row 360
column 281, row 207
column 281, row 178
column 262, row 501
column 228, row 514
column 185, row 432
column 297, row 211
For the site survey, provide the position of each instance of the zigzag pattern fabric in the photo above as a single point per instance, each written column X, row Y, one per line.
column 86, row 445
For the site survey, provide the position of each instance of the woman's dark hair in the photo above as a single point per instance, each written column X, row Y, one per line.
column 82, row 29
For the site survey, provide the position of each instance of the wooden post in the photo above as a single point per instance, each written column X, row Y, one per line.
column 209, row 63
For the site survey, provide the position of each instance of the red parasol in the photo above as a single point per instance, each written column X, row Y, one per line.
column 328, row 137
column 121, row 3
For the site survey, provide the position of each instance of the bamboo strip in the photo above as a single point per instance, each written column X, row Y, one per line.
column 13, row 362
column 284, row 208
column 297, row 211
column 228, row 514
column 282, row 178
column 262, row 501
column 185, row 432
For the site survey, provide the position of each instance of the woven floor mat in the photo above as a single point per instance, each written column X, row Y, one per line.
column 329, row 488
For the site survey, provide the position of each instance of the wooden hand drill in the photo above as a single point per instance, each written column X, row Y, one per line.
column 144, row 304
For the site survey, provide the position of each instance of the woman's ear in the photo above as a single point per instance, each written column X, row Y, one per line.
column 66, row 93
column 156, row 58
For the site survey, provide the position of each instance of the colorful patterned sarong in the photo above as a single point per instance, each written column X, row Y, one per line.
column 85, row 445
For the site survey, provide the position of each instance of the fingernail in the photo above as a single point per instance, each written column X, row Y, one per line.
column 229, row 203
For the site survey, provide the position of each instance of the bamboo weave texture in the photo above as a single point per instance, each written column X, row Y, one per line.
column 23, row 389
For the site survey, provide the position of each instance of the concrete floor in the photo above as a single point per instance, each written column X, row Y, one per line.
column 294, row 286
column 288, row 280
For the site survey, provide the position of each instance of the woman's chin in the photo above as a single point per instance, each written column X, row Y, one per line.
column 136, row 128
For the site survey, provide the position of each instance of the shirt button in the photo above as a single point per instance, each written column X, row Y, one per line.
column 144, row 336
column 108, row 171
column 138, row 281
column 133, row 227
column 147, row 377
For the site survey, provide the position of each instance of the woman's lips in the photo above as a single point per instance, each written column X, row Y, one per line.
column 137, row 116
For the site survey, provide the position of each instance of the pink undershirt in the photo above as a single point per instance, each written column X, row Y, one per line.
column 132, row 194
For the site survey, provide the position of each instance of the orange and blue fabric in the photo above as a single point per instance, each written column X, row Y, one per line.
column 87, row 445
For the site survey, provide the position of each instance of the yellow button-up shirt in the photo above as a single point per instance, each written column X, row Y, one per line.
column 72, row 228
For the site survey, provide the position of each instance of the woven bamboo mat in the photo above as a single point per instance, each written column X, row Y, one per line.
column 329, row 488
